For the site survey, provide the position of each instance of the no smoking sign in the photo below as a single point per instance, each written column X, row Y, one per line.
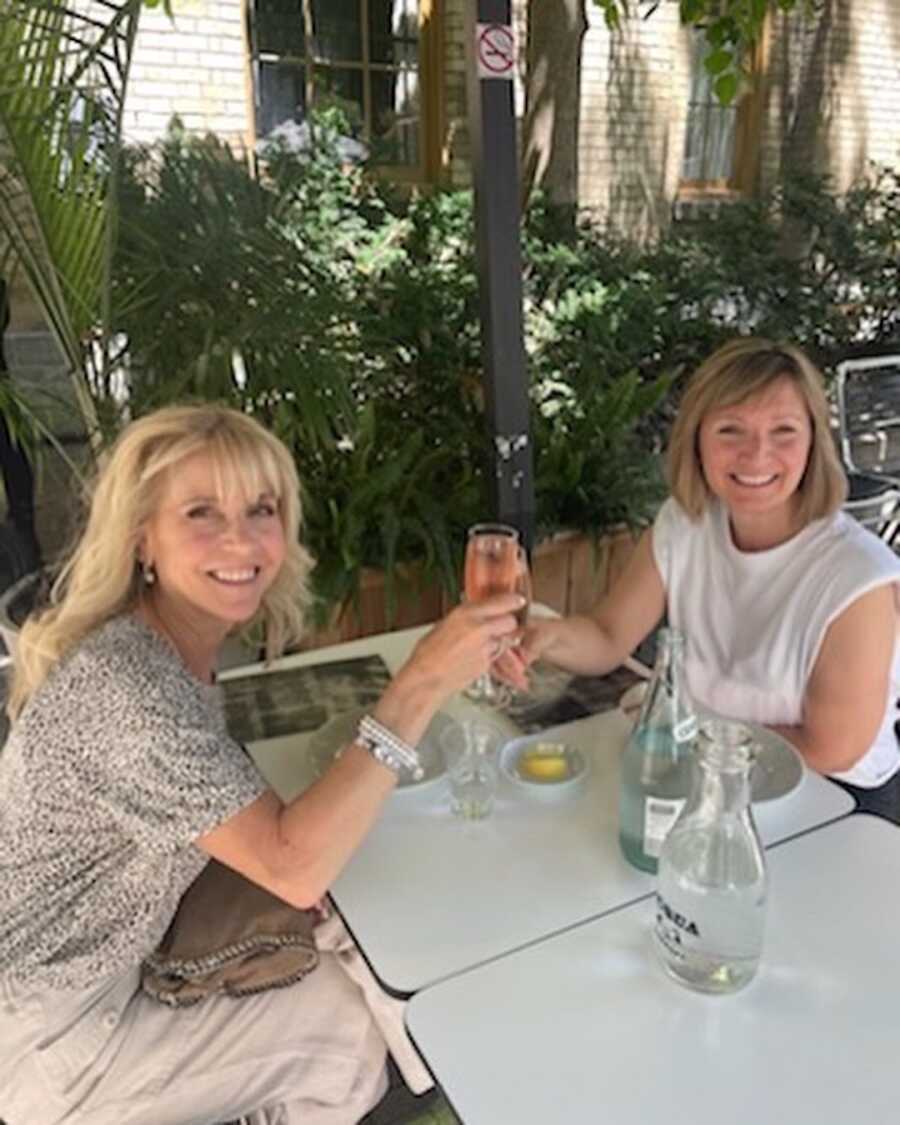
column 495, row 50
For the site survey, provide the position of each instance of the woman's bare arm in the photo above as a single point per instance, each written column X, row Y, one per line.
column 595, row 644
column 296, row 850
column 844, row 704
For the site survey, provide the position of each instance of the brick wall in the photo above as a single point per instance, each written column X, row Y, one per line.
column 632, row 114
column 628, row 108
column 195, row 66
column 455, row 101
column 834, row 90
column 832, row 94
column 831, row 101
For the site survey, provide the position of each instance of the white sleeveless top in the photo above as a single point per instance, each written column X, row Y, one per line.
column 754, row 621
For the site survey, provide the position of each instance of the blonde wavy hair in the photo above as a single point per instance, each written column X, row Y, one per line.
column 102, row 579
column 734, row 373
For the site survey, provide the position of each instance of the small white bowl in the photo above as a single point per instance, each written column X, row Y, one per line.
column 545, row 788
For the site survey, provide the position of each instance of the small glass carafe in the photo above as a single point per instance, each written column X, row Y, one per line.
column 711, row 887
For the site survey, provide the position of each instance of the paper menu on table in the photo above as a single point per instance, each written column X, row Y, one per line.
column 558, row 697
column 301, row 700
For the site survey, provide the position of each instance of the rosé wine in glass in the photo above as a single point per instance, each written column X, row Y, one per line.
column 492, row 561
column 493, row 566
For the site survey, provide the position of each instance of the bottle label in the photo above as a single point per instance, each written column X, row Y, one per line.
column 686, row 729
column 719, row 928
column 677, row 933
column 660, row 813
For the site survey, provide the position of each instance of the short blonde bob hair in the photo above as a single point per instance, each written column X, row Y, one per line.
column 738, row 371
column 102, row 579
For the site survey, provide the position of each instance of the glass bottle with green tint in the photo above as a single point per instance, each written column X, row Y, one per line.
column 657, row 766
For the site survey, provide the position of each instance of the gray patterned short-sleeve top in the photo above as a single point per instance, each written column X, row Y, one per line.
column 116, row 765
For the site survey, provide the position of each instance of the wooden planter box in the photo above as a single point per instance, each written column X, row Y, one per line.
column 570, row 573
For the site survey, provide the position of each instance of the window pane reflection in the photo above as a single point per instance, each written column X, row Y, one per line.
column 394, row 32
column 711, row 128
column 337, row 30
column 279, row 27
column 335, row 86
column 359, row 55
column 282, row 96
column 395, row 117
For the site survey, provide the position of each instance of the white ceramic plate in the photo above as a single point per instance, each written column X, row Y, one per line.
column 341, row 730
column 778, row 769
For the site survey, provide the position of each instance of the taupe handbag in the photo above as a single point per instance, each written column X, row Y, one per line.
column 229, row 936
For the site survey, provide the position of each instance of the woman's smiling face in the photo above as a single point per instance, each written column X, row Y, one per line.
column 754, row 453
column 214, row 554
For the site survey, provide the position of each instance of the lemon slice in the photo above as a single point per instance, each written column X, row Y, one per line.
column 544, row 762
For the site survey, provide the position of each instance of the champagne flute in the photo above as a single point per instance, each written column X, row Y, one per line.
column 492, row 567
column 523, row 587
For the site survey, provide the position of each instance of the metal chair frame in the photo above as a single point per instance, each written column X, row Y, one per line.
column 877, row 425
column 869, row 419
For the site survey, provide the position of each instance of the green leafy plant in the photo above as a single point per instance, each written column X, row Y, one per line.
column 804, row 263
column 63, row 72
column 345, row 315
column 407, row 476
column 848, row 246
column 593, row 470
column 216, row 297
column 307, row 297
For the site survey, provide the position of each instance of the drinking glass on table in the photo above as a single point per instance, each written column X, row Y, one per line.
column 494, row 561
column 470, row 748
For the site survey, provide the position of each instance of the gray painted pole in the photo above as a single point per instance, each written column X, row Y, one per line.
column 495, row 166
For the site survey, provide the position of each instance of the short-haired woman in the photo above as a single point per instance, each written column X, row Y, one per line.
column 119, row 781
column 788, row 605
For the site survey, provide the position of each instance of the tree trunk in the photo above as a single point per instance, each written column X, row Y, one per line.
column 552, row 100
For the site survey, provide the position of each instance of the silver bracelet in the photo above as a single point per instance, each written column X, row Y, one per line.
column 387, row 748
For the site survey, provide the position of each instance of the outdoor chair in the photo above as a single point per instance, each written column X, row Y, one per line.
column 867, row 399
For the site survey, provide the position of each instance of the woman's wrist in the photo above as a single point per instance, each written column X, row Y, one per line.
column 387, row 748
column 571, row 643
column 407, row 705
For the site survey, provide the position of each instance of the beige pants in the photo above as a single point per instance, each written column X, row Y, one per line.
column 312, row 1053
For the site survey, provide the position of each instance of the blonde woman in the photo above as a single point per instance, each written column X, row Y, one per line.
column 119, row 781
column 788, row 605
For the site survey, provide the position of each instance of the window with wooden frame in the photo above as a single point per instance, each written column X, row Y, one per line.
column 378, row 60
column 721, row 147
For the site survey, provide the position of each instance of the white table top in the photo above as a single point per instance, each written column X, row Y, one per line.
column 586, row 1027
column 428, row 895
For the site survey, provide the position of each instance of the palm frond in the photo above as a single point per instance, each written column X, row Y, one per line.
column 63, row 74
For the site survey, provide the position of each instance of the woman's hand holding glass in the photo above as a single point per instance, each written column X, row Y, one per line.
column 458, row 650
column 495, row 563
column 514, row 663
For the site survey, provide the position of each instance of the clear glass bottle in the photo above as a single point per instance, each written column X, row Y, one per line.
column 711, row 890
column 657, row 766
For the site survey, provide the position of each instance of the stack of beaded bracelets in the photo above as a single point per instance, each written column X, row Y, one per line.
column 387, row 748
